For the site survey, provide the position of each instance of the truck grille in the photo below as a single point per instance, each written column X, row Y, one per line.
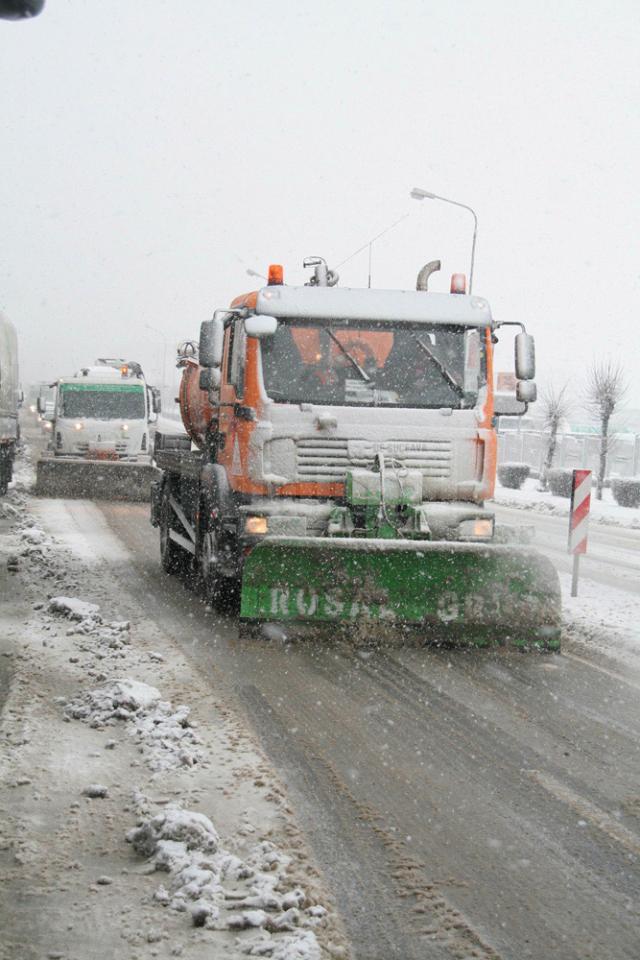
column 120, row 448
column 323, row 459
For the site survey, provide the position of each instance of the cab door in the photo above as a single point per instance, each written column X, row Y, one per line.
column 232, row 426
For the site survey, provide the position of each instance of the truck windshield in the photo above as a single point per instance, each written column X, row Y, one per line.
column 374, row 364
column 103, row 401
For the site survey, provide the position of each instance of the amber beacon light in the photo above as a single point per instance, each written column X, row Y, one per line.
column 275, row 276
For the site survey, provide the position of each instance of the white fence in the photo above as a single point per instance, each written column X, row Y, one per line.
column 573, row 450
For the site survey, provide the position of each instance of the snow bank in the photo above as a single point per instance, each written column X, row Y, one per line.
column 221, row 891
column 193, row 830
column 164, row 733
column 74, row 609
column 605, row 511
column 116, row 700
column 111, row 635
column 603, row 619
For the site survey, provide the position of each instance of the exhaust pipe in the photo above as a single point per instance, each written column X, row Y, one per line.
column 422, row 282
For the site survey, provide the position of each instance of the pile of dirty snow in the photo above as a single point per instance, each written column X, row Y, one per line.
column 111, row 635
column 163, row 733
column 219, row 890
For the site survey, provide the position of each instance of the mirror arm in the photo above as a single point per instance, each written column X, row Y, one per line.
column 519, row 413
column 230, row 312
column 509, row 323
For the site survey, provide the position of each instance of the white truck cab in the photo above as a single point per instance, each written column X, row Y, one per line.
column 103, row 412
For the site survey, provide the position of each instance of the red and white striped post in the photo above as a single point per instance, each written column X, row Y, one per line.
column 579, row 521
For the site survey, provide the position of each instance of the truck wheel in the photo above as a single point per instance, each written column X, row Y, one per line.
column 171, row 555
column 219, row 589
column 208, row 561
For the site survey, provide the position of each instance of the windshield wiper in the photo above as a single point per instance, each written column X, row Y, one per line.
column 440, row 367
column 352, row 360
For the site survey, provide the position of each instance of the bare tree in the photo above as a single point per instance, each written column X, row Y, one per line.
column 605, row 391
column 555, row 407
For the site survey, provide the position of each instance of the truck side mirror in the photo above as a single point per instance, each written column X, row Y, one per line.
column 526, row 391
column 260, row 326
column 211, row 342
column 40, row 405
column 156, row 400
column 525, row 357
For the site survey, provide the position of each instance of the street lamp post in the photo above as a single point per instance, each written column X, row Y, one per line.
column 165, row 340
column 418, row 194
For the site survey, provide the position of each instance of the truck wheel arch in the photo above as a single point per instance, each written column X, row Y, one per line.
column 216, row 493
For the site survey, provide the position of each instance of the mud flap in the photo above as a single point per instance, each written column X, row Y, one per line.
column 470, row 593
column 94, row 479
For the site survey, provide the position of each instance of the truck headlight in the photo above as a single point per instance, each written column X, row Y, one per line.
column 77, row 426
column 480, row 528
column 256, row 525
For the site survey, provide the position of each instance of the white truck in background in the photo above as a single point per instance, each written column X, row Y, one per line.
column 100, row 444
column 9, row 401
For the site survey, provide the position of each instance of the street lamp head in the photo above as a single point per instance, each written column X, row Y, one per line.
column 418, row 194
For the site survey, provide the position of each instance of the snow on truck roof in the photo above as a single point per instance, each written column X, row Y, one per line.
column 122, row 372
column 409, row 306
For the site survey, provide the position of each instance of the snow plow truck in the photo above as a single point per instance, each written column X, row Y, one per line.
column 340, row 450
column 99, row 444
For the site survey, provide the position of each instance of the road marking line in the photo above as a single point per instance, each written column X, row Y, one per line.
column 589, row 811
column 594, row 666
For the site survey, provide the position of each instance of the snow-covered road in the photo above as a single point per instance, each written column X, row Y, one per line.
column 138, row 816
column 458, row 803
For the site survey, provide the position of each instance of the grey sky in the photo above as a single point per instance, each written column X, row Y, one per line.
column 152, row 151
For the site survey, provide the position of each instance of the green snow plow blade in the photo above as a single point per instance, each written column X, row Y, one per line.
column 94, row 479
column 462, row 592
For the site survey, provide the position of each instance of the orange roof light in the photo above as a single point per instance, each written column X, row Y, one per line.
column 124, row 371
column 275, row 275
column 458, row 283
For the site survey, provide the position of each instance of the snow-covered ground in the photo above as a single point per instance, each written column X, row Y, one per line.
column 134, row 800
column 140, row 818
column 604, row 619
column 604, row 511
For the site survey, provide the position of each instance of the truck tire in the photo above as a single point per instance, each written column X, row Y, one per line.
column 207, row 559
column 172, row 557
column 218, row 588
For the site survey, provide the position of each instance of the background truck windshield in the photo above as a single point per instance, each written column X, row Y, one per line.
column 107, row 401
column 374, row 364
